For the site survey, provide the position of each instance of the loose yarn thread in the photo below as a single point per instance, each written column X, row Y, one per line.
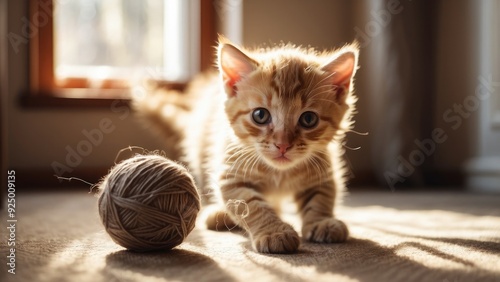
column 148, row 202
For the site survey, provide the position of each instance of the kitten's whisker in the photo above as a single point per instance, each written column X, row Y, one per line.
column 253, row 161
column 242, row 160
column 257, row 160
column 245, row 165
column 313, row 95
column 313, row 166
column 357, row 132
column 243, row 155
column 326, row 100
column 323, row 80
column 240, row 153
column 309, row 175
column 235, row 147
column 328, row 86
column 316, row 165
column 308, row 88
column 250, row 163
column 351, row 148
column 320, row 89
column 321, row 98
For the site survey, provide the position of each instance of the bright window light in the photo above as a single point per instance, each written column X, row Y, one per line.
column 119, row 39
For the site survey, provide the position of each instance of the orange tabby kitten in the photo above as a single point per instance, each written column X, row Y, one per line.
column 269, row 125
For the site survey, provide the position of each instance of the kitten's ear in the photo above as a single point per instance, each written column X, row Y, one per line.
column 342, row 69
column 234, row 65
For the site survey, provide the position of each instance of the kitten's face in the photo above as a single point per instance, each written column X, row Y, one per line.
column 287, row 106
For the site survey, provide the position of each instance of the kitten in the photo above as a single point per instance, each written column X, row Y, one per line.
column 270, row 124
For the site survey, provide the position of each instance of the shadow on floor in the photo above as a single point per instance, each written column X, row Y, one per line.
column 177, row 264
column 365, row 260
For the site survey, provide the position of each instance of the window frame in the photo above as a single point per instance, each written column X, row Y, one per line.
column 43, row 91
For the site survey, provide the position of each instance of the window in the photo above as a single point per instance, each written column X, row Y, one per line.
column 97, row 49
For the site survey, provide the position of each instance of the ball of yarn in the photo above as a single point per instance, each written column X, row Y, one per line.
column 148, row 202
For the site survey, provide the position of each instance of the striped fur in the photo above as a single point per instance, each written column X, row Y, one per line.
column 246, row 167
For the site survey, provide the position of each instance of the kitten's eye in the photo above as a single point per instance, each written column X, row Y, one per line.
column 308, row 120
column 261, row 116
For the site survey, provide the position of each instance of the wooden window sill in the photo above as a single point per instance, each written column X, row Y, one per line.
column 80, row 97
column 56, row 100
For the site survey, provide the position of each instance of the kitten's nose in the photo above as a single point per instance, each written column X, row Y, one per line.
column 283, row 147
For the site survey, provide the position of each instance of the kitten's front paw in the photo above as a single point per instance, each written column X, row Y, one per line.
column 278, row 241
column 328, row 230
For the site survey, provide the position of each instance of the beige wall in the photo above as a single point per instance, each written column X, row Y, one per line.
column 318, row 23
column 457, row 71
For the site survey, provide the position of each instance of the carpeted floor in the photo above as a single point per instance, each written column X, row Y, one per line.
column 431, row 236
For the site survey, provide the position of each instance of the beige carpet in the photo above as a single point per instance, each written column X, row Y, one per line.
column 429, row 236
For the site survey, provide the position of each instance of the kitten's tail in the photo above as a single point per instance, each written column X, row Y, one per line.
column 163, row 110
